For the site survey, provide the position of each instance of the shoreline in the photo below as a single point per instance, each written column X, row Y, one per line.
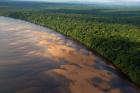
column 106, row 60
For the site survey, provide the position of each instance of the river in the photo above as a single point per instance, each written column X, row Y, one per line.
column 34, row 59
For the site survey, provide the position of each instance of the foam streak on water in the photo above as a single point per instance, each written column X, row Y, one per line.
column 34, row 59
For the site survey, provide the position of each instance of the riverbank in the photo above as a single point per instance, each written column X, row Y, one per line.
column 117, row 42
column 50, row 62
column 95, row 52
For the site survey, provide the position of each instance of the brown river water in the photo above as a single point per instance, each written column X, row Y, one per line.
column 34, row 59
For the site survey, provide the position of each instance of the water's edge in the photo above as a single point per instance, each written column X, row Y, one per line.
column 104, row 59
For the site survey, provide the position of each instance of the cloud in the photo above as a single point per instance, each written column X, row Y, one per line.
column 112, row 0
column 100, row 1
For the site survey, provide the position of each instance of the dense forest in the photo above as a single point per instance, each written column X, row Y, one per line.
column 113, row 32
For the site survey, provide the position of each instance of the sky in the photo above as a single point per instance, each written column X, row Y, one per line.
column 97, row 1
column 90, row 0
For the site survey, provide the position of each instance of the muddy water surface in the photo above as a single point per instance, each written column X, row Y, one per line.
column 34, row 59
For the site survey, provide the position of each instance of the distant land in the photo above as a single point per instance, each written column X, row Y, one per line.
column 83, row 2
